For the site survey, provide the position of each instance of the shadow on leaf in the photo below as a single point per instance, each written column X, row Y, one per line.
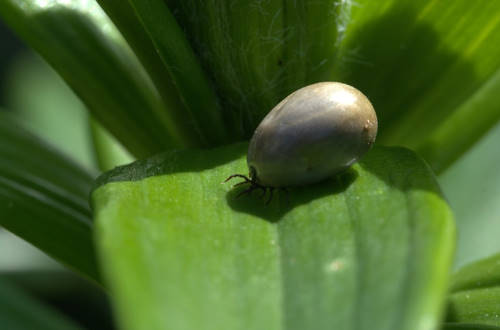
column 402, row 64
column 285, row 200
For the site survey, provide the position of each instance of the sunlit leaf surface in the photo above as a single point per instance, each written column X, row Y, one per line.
column 430, row 68
column 368, row 249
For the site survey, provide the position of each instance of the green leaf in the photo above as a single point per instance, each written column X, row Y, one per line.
column 473, row 118
column 431, row 69
column 313, row 30
column 43, row 198
column 481, row 274
column 368, row 249
column 478, row 306
column 165, row 53
column 52, row 111
column 258, row 52
column 109, row 152
column 475, row 294
column 78, row 40
column 465, row 326
column 18, row 311
column 196, row 92
column 472, row 187
column 432, row 80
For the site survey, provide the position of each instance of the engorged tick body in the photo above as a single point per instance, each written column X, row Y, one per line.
column 314, row 133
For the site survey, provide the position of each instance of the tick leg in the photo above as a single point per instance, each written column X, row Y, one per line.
column 263, row 192
column 247, row 191
column 271, row 190
column 245, row 178
column 237, row 176
column 242, row 182
column 287, row 196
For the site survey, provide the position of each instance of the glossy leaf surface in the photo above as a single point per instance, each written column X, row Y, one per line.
column 368, row 249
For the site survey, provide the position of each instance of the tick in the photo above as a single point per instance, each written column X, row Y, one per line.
column 314, row 133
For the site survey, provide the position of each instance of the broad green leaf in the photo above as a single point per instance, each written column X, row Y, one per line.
column 43, row 198
column 368, row 249
column 78, row 40
column 472, row 187
column 18, row 311
column 475, row 293
column 431, row 69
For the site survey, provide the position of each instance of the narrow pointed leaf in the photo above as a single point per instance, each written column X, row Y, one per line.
column 18, row 311
column 481, row 274
column 49, row 104
column 468, row 326
column 253, row 65
column 260, row 51
column 240, row 45
column 368, row 249
column 475, row 296
column 312, row 34
column 108, row 152
column 78, row 40
column 44, row 198
column 192, row 115
column 473, row 118
column 429, row 67
column 187, row 76
column 477, row 306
